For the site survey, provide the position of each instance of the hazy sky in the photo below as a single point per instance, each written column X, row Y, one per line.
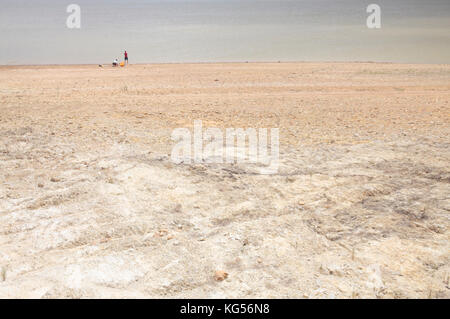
column 35, row 31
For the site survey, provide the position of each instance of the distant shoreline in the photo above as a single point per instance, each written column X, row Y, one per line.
column 7, row 66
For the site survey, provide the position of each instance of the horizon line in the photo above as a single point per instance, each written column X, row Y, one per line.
column 221, row 62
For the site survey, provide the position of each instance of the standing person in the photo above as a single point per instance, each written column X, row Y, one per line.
column 126, row 57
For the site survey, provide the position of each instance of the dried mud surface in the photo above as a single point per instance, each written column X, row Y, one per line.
column 92, row 206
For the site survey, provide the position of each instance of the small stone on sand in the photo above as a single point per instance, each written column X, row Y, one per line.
column 220, row 275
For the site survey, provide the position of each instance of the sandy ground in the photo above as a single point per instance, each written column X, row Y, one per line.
column 92, row 206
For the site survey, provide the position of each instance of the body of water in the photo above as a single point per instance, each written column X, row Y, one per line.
column 155, row 31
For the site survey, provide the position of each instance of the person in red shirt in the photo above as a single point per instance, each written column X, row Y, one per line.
column 126, row 57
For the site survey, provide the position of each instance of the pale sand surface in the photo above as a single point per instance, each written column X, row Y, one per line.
column 91, row 205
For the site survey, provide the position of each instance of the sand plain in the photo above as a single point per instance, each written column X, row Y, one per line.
column 92, row 206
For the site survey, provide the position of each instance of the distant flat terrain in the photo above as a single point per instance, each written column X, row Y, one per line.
column 91, row 204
